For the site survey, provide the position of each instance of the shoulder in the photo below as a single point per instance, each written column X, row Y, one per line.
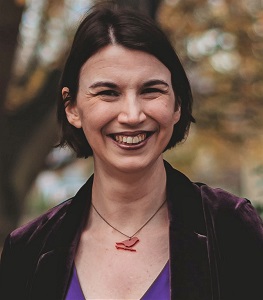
column 22, row 249
column 52, row 232
column 41, row 224
column 61, row 216
column 216, row 200
column 219, row 206
column 24, row 243
column 219, row 201
column 231, row 215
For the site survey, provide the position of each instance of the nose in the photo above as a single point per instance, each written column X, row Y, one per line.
column 131, row 111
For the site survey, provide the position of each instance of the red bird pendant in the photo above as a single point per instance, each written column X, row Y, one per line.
column 127, row 244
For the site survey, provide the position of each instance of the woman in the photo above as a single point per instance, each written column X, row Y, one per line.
column 138, row 229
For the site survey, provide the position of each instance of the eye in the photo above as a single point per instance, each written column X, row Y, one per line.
column 151, row 90
column 110, row 93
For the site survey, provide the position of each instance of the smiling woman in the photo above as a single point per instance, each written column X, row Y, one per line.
column 138, row 229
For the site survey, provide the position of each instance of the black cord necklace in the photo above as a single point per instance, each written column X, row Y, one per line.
column 132, row 240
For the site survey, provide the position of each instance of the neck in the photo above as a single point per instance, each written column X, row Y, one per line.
column 138, row 195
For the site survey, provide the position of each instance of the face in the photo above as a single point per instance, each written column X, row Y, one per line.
column 126, row 108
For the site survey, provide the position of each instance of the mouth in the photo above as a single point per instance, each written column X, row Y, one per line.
column 131, row 138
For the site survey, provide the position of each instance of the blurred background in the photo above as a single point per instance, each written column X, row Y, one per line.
column 220, row 43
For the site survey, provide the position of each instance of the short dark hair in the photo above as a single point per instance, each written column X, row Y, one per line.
column 131, row 30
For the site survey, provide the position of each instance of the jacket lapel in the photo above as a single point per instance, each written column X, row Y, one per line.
column 188, row 240
column 49, row 284
column 59, row 249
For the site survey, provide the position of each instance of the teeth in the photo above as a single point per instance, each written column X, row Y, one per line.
column 135, row 140
column 130, row 139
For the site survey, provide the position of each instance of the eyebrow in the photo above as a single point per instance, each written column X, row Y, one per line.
column 155, row 82
column 103, row 84
column 112, row 85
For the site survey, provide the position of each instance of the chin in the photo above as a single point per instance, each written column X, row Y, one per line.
column 134, row 164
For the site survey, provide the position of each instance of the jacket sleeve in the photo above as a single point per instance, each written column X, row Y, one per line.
column 11, row 280
column 17, row 264
column 236, row 236
column 241, row 246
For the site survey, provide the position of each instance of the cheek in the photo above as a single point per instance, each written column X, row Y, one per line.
column 95, row 117
column 164, row 114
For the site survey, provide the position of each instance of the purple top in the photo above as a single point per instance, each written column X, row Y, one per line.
column 159, row 290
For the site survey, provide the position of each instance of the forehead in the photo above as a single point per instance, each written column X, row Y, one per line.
column 120, row 63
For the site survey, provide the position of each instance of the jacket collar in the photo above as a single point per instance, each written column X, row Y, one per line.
column 184, row 202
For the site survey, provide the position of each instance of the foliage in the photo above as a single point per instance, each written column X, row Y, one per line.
column 221, row 45
column 259, row 208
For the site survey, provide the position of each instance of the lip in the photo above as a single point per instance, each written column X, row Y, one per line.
column 131, row 133
column 130, row 146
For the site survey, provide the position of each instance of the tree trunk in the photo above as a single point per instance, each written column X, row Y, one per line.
column 10, row 17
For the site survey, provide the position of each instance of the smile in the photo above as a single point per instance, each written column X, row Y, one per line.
column 130, row 139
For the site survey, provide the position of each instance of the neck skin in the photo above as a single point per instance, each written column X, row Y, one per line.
column 127, row 199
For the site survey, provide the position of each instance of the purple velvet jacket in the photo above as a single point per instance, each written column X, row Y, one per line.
column 216, row 246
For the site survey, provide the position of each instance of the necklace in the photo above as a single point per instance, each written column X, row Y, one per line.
column 132, row 239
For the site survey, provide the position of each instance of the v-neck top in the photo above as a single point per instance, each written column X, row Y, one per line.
column 159, row 290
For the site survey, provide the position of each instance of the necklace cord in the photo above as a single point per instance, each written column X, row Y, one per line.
column 137, row 230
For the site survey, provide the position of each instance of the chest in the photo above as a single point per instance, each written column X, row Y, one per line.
column 107, row 273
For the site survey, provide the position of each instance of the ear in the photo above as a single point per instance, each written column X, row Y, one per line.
column 71, row 109
column 177, row 114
